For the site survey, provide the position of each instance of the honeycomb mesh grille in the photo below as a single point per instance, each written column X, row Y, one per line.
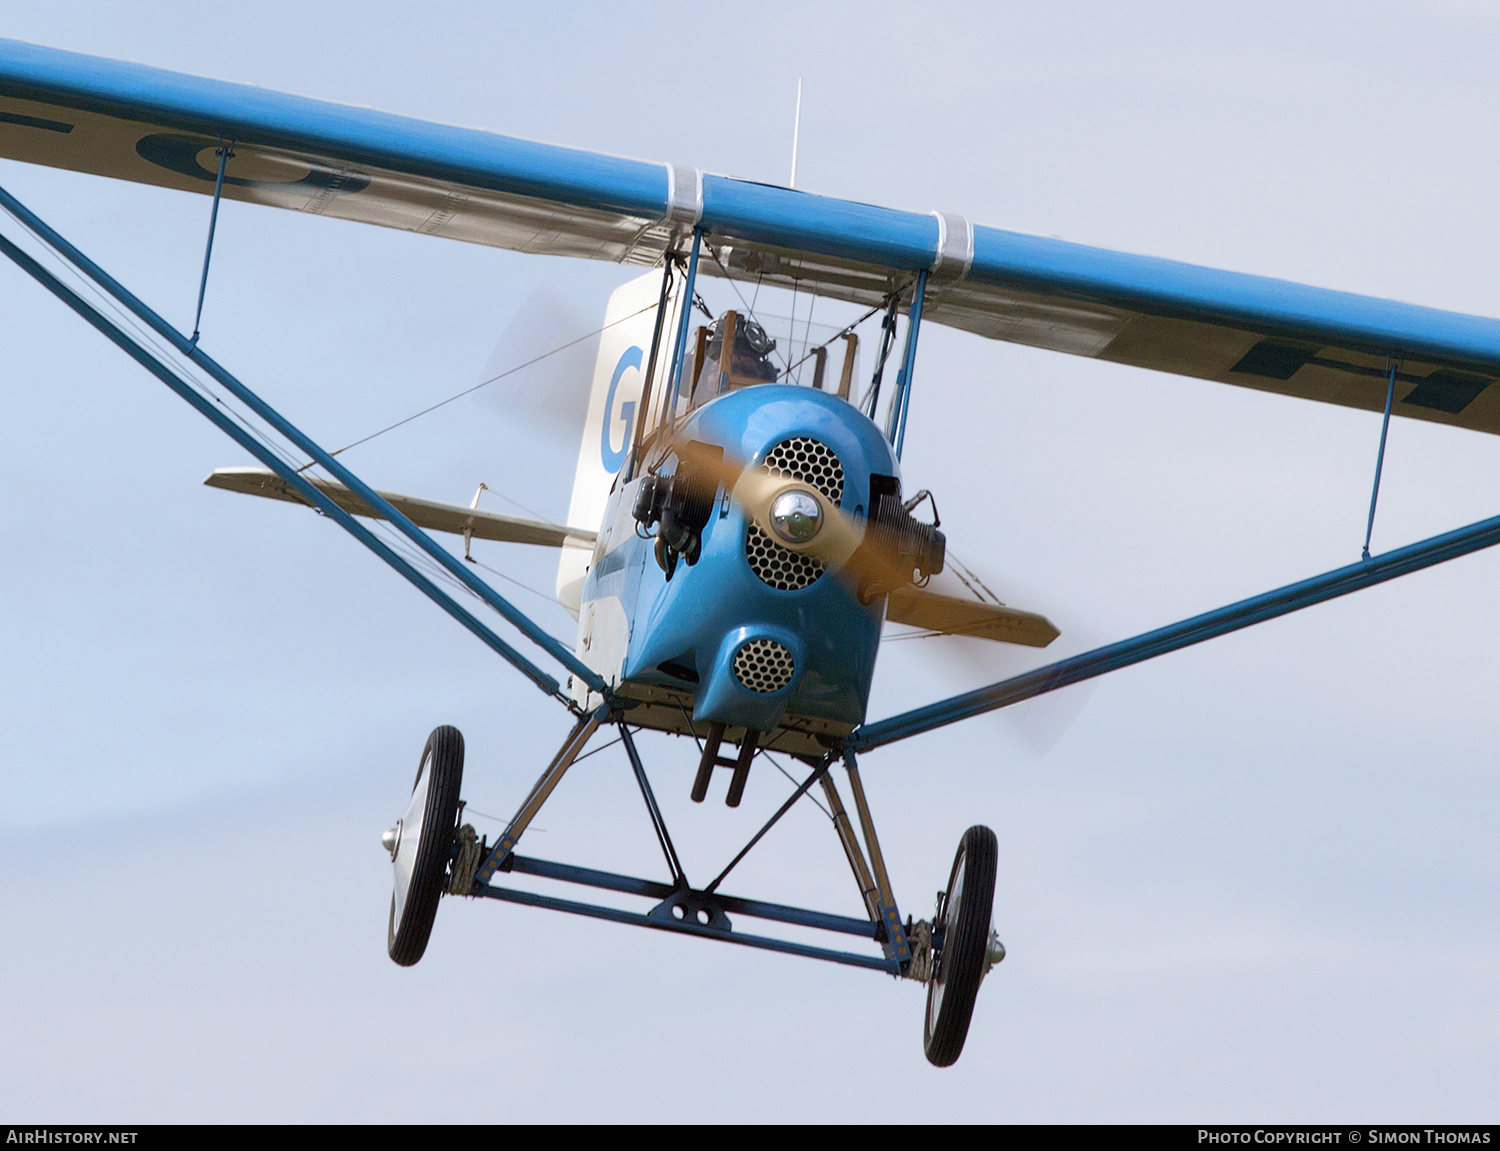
column 809, row 462
column 764, row 666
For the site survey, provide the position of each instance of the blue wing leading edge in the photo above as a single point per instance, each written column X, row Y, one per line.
column 157, row 127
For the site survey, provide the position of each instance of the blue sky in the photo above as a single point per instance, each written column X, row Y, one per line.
column 1253, row 881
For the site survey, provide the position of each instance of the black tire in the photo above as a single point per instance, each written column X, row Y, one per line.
column 965, row 927
column 408, row 931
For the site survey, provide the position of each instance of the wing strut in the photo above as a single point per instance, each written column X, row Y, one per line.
column 679, row 346
column 1392, row 366
column 1282, row 601
column 216, row 412
column 901, row 401
column 225, row 151
column 643, row 416
column 887, row 338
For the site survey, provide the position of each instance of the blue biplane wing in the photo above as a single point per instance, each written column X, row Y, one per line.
column 157, row 127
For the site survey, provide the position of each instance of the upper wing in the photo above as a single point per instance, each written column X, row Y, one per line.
column 159, row 127
column 424, row 513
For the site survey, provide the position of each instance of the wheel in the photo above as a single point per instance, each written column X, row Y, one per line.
column 965, row 927
column 421, row 844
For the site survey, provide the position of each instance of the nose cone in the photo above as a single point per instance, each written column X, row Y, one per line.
column 796, row 517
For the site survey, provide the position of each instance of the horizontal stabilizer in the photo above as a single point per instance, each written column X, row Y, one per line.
column 950, row 616
column 424, row 513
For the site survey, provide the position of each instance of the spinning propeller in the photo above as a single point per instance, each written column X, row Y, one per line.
column 889, row 550
column 542, row 366
column 891, row 554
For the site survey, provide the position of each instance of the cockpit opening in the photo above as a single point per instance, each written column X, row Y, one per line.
column 736, row 351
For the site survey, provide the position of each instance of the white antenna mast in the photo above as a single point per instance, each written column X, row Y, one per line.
column 796, row 131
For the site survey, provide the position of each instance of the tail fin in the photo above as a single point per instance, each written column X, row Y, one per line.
column 613, row 411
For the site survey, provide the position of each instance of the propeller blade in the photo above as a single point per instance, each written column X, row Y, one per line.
column 779, row 506
column 961, row 662
column 964, row 615
column 542, row 367
column 842, row 543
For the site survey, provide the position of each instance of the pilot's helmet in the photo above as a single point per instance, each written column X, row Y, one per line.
column 752, row 350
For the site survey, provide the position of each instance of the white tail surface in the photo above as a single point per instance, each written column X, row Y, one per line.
column 613, row 410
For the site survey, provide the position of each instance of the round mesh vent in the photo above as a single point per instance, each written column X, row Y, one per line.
column 816, row 466
column 809, row 461
column 764, row 666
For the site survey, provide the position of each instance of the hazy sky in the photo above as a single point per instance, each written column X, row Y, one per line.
column 1257, row 880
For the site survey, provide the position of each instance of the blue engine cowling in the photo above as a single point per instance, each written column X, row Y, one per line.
column 755, row 627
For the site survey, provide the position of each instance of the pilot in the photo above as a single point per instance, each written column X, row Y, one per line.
column 751, row 364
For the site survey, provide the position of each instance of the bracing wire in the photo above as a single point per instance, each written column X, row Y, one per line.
column 166, row 354
column 193, row 377
column 749, row 311
column 440, row 575
column 797, row 783
column 807, row 334
column 839, row 335
column 971, row 581
column 977, row 588
column 807, row 352
column 491, row 380
column 518, row 504
column 511, row 579
column 792, row 328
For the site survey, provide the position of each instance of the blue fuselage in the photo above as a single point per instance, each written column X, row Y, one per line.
column 685, row 633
